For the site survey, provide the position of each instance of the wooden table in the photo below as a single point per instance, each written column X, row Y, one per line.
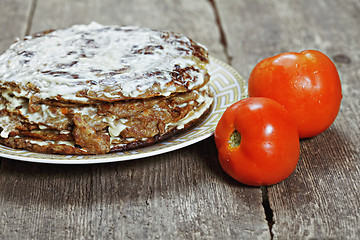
column 185, row 194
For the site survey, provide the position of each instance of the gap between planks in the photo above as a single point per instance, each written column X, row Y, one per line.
column 269, row 215
column 223, row 39
column 30, row 17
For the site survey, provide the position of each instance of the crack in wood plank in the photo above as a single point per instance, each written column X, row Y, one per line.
column 269, row 215
column 221, row 30
column 265, row 197
column 30, row 17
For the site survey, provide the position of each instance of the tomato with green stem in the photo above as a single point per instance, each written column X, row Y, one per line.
column 257, row 142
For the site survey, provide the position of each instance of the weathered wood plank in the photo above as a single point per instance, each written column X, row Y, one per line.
column 326, row 193
column 13, row 21
column 180, row 195
column 321, row 198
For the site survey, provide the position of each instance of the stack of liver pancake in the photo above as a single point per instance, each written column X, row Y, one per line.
column 94, row 89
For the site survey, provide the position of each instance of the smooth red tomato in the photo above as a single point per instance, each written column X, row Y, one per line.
column 257, row 142
column 307, row 84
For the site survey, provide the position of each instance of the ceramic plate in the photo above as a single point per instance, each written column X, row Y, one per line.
column 228, row 87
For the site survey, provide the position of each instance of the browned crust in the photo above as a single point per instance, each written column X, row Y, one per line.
column 23, row 143
column 50, row 141
column 54, row 148
column 161, row 137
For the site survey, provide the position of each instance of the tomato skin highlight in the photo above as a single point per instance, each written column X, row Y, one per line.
column 307, row 84
column 269, row 147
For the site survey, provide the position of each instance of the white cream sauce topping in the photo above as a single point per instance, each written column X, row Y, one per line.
column 95, row 58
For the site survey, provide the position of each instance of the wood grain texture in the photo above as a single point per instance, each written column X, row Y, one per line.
column 321, row 198
column 13, row 21
column 179, row 195
column 185, row 194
